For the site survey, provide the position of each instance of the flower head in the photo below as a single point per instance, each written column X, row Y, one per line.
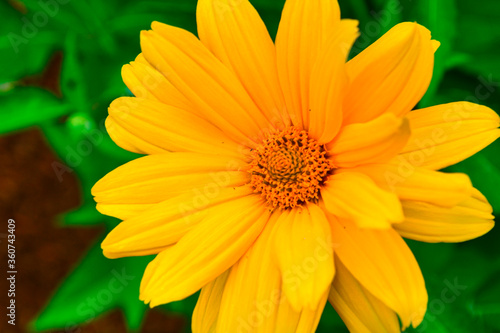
column 289, row 168
column 280, row 175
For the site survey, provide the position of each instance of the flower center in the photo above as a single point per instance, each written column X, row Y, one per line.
column 288, row 168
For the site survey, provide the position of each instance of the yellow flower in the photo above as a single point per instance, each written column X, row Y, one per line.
column 280, row 176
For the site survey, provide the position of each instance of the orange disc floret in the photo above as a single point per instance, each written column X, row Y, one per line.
column 288, row 168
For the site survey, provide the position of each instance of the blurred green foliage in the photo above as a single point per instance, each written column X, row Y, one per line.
column 84, row 43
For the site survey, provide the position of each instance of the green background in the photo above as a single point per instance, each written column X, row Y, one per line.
column 95, row 38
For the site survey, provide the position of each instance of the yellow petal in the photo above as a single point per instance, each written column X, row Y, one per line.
column 234, row 32
column 447, row 134
column 205, row 252
column 418, row 184
column 168, row 128
column 375, row 141
column 435, row 45
column 354, row 196
column 167, row 222
column 358, row 308
column 383, row 264
column 309, row 319
column 304, row 28
column 214, row 91
column 305, row 256
column 146, row 82
column 391, row 75
column 122, row 211
column 155, row 178
column 129, row 141
column 206, row 311
column 429, row 223
column 329, row 82
column 253, row 300
column 253, row 287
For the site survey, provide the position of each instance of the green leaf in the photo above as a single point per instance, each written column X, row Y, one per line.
column 23, row 107
column 73, row 86
column 96, row 286
column 104, row 9
column 486, row 305
column 452, row 281
column 479, row 31
column 24, row 46
column 479, row 25
column 485, row 63
column 61, row 15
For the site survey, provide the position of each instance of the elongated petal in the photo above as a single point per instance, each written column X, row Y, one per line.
column 167, row 128
column 376, row 141
column 204, row 253
column 155, row 178
column 308, row 320
column 305, row 256
column 129, row 141
column 383, row 264
column 304, row 29
column 447, row 134
column 122, row 211
column 207, row 308
column 358, row 308
column 234, row 32
column 429, row 223
column 391, row 75
column 418, row 184
column 355, row 196
column 329, row 82
column 209, row 85
column 167, row 222
column 146, row 82
column 253, row 299
column 254, row 281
